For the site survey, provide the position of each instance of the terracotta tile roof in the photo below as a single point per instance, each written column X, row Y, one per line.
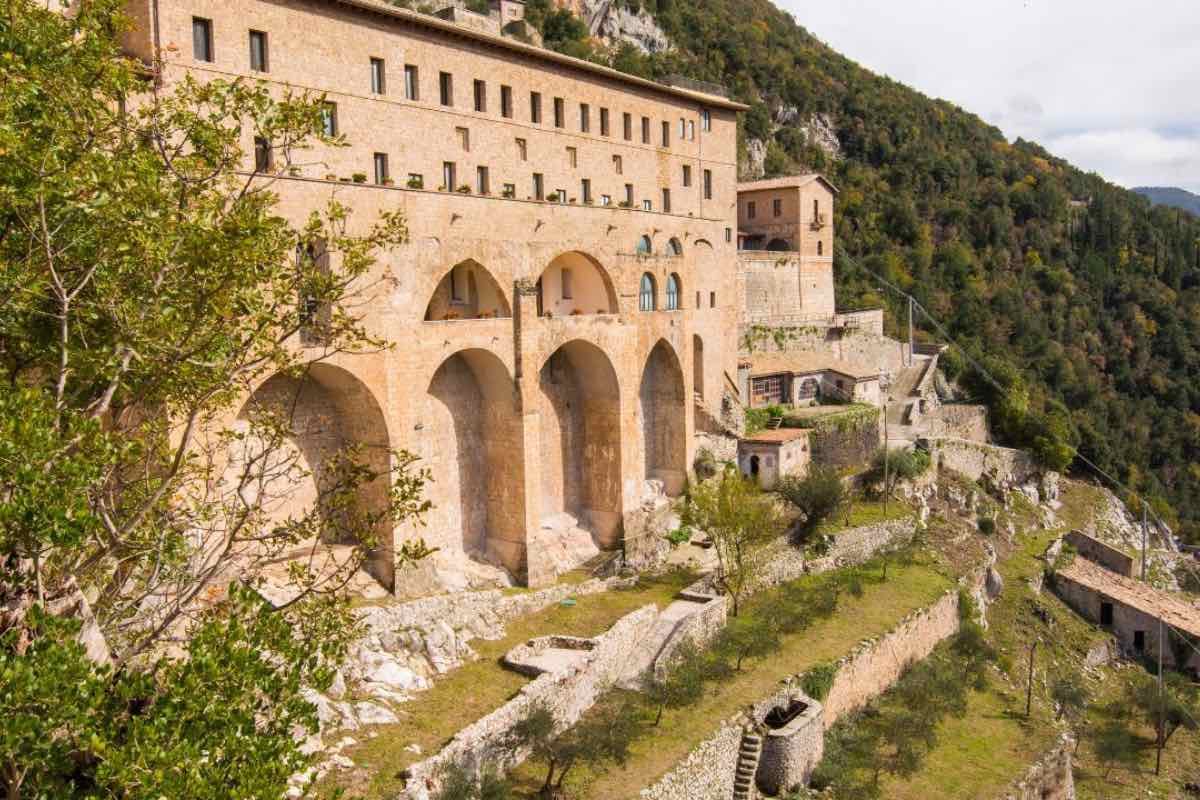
column 791, row 181
column 801, row 363
column 1171, row 609
column 779, row 436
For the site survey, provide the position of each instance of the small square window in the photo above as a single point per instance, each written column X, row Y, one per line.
column 412, row 82
column 510, row 190
column 562, row 195
column 258, row 52
column 378, row 77
column 381, row 168
column 606, row 199
column 202, row 39
column 416, row 180
column 647, row 205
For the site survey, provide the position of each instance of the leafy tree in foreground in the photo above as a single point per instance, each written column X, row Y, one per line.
column 604, row 735
column 681, row 684
column 740, row 519
column 819, row 496
column 147, row 285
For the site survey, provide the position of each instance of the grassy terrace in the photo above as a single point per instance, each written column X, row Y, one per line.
column 879, row 609
column 476, row 689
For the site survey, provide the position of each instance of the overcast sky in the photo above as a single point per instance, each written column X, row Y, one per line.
column 1113, row 86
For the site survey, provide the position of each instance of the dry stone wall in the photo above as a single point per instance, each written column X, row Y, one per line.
column 958, row 422
column 568, row 694
column 1001, row 467
column 1050, row 778
column 850, row 547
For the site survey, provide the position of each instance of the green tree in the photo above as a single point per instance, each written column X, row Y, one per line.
column 680, row 684
column 1070, row 696
column 740, row 519
column 604, row 735
column 148, row 282
column 1116, row 747
column 818, row 496
column 748, row 636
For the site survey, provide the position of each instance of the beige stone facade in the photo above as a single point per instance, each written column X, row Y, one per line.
column 531, row 372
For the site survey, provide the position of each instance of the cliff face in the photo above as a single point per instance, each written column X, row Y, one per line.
column 614, row 25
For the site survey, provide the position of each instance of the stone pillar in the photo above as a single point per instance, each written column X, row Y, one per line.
column 539, row 571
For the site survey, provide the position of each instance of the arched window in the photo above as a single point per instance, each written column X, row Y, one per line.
column 644, row 248
column 646, row 298
column 672, row 292
column 675, row 248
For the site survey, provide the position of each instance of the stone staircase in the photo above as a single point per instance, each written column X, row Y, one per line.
column 647, row 652
column 747, row 766
column 903, row 407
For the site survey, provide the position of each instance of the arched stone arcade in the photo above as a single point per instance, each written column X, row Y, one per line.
column 325, row 412
column 580, row 451
column 474, row 429
column 661, row 415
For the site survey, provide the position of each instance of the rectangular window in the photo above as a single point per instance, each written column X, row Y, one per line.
column 691, row 130
column 202, row 39
column 455, row 287
column 481, row 97
column 562, row 195
column 329, row 120
column 378, row 77
column 258, row 51
column 560, row 113
column 262, row 155
column 446, row 88
column 506, row 109
column 566, row 283
column 604, row 122
column 464, row 138
column 708, row 184
column 483, row 184
column 535, row 108
column 381, row 168
column 1139, row 641
column 666, row 134
column 705, row 119
column 412, row 83
column 573, row 157
column 647, row 205
column 729, row 234
column 645, row 130
column 416, row 180
column 751, row 209
column 585, row 118
column 449, row 175
column 1106, row 613
column 522, row 150
column 627, row 123
column 687, row 175
column 585, row 189
column 777, row 207
column 510, row 190
column 606, row 199
column 618, row 165
column 539, row 186
column 682, row 128
column 666, row 201
column 629, row 194
column 712, row 299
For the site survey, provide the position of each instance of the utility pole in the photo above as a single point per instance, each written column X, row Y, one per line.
column 1029, row 687
column 1145, row 540
column 885, row 458
column 1159, row 737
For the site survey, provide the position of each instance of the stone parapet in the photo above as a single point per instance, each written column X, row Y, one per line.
column 1050, row 777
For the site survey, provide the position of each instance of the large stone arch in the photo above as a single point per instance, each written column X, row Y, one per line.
column 326, row 411
column 580, row 451
column 588, row 288
column 661, row 415
column 468, row 290
column 474, row 425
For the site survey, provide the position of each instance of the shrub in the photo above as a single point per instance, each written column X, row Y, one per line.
column 681, row 535
column 359, row 177
column 818, row 496
column 818, row 680
column 987, row 525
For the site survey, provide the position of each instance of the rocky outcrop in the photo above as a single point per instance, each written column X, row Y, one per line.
column 616, row 24
column 1050, row 778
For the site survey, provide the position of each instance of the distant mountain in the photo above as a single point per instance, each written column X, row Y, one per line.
column 1171, row 196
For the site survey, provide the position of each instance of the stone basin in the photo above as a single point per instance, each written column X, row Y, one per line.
column 549, row 654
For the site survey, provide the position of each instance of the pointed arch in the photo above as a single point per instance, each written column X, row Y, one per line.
column 576, row 283
column 467, row 291
column 779, row 245
column 661, row 414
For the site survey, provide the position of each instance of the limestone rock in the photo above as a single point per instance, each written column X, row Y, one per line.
column 617, row 23
column 370, row 713
column 993, row 584
column 391, row 674
column 756, row 157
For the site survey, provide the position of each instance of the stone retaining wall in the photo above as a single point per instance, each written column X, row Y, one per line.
column 958, row 422
column 568, row 694
column 1002, row 467
column 1050, row 778
column 852, row 546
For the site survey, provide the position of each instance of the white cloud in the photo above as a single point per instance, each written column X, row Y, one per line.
column 1110, row 85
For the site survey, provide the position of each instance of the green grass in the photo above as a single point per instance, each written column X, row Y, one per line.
column 477, row 688
column 880, row 608
column 867, row 512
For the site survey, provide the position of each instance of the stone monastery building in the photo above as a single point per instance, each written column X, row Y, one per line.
column 566, row 311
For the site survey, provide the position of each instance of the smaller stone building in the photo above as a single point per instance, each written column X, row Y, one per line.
column 1132, row 611
column 806, row 378
column 772, row 455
